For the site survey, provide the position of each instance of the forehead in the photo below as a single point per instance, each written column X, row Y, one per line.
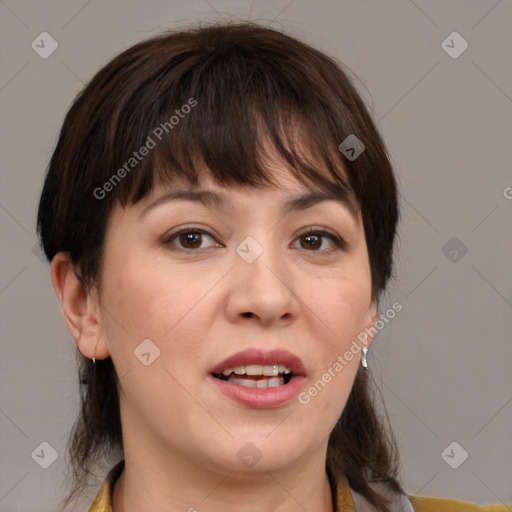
column 288, row 194
column 285, row 183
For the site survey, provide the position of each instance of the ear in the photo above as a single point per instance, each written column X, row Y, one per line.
column 372, row 315
column 81, row 309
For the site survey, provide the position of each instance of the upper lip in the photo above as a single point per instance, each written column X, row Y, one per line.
column 262, row 357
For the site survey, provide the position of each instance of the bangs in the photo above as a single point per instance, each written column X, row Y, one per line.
column 234, row 113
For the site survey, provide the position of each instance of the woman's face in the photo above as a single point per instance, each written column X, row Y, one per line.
column 243, row 278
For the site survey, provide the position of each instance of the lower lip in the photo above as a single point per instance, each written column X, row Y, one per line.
column 260, row 398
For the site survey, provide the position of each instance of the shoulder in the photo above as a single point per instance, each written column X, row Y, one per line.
column 425, row 504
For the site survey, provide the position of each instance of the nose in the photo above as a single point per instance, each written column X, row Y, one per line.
column 262, row 290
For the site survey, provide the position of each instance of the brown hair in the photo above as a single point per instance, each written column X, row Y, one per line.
column 245, row 85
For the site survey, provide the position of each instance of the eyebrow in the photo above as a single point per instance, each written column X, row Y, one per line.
column 221, row 201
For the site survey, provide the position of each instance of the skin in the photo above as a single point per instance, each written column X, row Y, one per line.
column 181, row 435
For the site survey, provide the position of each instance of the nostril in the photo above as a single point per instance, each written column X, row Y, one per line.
column 248, row 315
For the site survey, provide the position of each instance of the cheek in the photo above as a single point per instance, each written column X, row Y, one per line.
column 152, row 301
column 148, row 302
column 338, row 314
column 339, row 308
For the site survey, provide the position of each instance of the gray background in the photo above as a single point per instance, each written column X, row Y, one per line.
column 443, row 363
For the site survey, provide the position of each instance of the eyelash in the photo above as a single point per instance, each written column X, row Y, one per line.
column 338, row 242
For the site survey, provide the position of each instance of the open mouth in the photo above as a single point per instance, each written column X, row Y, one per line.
column 257, row 376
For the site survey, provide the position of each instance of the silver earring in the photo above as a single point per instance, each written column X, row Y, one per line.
column 364, row 363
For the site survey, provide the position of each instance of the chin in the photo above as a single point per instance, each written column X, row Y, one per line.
column 261, row 452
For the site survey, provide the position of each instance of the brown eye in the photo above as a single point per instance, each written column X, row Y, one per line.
column 313, row 240
column 189, row 239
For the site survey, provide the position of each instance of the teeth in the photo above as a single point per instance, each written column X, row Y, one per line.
column 284, row 369
column 254, row 369
column 274, row 382
column 271, row 370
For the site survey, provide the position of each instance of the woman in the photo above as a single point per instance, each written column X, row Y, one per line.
column 220, row 215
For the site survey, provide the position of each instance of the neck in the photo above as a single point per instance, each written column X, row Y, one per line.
column 172, row 484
